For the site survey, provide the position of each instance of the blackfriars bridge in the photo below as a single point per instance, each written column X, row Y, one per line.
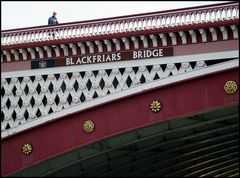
column 152, row 94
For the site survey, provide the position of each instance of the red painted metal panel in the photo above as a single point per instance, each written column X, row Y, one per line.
column 211, row 47
column 62, row 135
column 16, row 66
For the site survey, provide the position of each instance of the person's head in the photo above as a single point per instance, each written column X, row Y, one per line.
column 54, row 13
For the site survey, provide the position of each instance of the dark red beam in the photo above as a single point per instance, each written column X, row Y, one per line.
column 65, row 134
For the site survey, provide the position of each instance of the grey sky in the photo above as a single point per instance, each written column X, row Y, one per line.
column 18, row 14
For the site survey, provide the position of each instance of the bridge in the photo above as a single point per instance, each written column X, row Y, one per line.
column 153, row 94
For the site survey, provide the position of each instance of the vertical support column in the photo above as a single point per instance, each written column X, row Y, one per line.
column 126, row 26
column 145, row 41
column 224, row 33
column 173, row 37
column 117, row 44
column 214, row 34
column 57, row 50
column 82, row 47
column 135, row 42
column 70, row 32
column 235, row 31
column 104, row 28
column 40, row 52
column 203, row 35
column 32, row 53
column 24, row 54
column 16, row 54
column 154, row 40
column 131, row 23
column 126, row 43
column 193, row 36
column 90, row 46
column 49, row 51
column 109, row 45
column 173, row 20
column 8, row 55
column 163, row 38
column 99, row 45
column 65, row 49
column 95, row 30
column 113, row 27
column 74, row 48
column 99, row 31
column 183, row 36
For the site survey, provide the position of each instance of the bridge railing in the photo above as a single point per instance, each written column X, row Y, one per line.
column 155, row 20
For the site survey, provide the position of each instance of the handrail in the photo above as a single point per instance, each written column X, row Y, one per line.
column 137, row 22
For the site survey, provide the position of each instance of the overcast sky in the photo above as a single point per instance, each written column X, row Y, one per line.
column 18, row 14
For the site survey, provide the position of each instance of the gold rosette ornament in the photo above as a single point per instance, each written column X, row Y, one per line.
column 230, row 87
column 88, row 126
column 27, row 149
column 155, row 106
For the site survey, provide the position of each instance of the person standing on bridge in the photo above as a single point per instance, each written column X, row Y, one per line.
column 53, row 21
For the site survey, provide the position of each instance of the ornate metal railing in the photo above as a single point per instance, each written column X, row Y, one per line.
column 115, row 25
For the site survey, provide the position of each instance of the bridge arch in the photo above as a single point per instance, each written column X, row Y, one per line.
column 110, row 71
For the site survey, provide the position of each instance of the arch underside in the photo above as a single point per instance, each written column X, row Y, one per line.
column 203, row 144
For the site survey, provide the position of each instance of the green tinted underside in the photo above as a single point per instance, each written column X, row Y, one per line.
column 204, row 144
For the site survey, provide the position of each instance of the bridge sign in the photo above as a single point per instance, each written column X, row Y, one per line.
column 103, row 57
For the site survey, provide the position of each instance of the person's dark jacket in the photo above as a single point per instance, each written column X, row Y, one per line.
column 52, row 20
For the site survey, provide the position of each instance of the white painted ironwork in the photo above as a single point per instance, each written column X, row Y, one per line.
column 29, row 97
column 21, row 123
column 172, row 18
